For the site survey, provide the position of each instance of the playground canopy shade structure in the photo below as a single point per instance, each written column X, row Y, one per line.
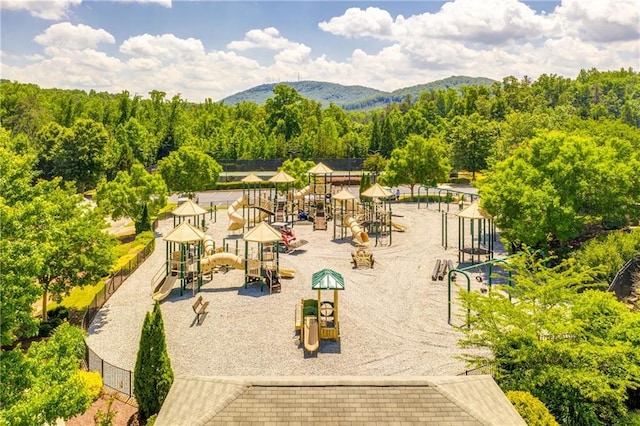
column 474, row 211
column 263, row 233
column 188, row 208
column 344, row 195
column 281, row 177
column 251, row 178
column 320, row 169
column 185, row 233
column 327, row 279
column 376, row 191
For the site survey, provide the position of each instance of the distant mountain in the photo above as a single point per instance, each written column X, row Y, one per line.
column 352, row 97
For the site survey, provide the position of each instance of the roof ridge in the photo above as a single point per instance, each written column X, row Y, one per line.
column 240, row 389
column 462, row 404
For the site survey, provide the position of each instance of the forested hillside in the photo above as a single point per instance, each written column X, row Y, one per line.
column 352, row 98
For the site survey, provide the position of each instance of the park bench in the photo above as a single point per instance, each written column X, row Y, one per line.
column 200, row 308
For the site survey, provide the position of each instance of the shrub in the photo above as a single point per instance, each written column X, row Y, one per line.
column 93, row 383
column 531, row 409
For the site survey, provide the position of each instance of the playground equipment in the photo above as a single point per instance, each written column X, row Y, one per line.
column 377, row 212
column 162, row 290
column 450, row 195
column 398, row 226
column 362, row 257
column 264, row 269
column 360, row 236
column 464, row 271
column 482, row 232
column 189, row 211
column 320, row 193
column 344, row 205
column 282, row 210
column 289, row 239
column 237, row 221
column 316, row 320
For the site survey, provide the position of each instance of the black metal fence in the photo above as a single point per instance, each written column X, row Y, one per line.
column 113, row 377
column 343, row 164
column 622, row 282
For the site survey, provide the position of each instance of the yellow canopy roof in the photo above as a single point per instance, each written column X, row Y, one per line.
column 184, row 233
column 251, row 178
column 281, row 177
column 263, row 233
column 474, row 211
column 344, row 195
column 188, row 208
column 320, row 169
column 376, row 191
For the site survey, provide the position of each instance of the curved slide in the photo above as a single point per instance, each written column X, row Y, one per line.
column 359, row 234
column 300, row 194
column 311, row 341
column 236, row 220
column 164, row 288
column 399, row 227
column 219, row 259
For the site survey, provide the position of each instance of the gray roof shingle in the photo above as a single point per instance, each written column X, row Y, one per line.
column 450, row 401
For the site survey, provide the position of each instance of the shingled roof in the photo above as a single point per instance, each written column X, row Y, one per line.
column 437, row 400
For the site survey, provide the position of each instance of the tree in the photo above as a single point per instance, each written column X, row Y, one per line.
column 82, row 157
column 555, row 184
column 298, row 169
column 189, row 170
column 283, row 112
column 531, row 409
column 74, row 248
column 421, row 161
column 575, row 350
column 471, row 140
column 138, row 195
column 45, row 383
column 375, row 164
column 153, row 375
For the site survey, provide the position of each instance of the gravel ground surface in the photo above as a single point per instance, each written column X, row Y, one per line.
column 393, row 318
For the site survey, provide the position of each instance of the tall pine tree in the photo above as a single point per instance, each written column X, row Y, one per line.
column 153, row 375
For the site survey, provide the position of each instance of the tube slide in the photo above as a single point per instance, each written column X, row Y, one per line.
column 164, row 288
column 399, row 227
column 359, row 234
column 286, row 273
column 300, row 194
column 208, row 244
column 236, row 220
column 219, row 259
column 311, row 341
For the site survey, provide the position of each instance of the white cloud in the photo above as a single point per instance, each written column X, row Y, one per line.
column 600, row 20
column 268, row 38
column 43, row 9
column 166, row 47
column 67, row 35
column 357, row 23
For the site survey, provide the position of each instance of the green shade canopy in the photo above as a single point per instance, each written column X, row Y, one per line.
column 327, row 279
column 474, row 211
column 320, row 169
column 262, row 233
column 251, row 178
column 188, row 208
column 376, row 191
column 185, row 233
column 281, row 177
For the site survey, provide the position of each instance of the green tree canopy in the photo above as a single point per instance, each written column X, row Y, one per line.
column 138, row 195
column 555, row 184
column 298, row 169
column 189, row 170
column 421, row 161
column 44, row 384
column 575, row 350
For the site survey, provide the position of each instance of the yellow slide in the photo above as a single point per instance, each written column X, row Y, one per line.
column 286, row 273
column 219, row 259
column 399, row 227
column 164, row 288
column 311, row 341
column 236, row 220
column 359, row 234
column 300, row 194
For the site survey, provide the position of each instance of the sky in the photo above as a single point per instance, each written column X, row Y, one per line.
column 213, row 49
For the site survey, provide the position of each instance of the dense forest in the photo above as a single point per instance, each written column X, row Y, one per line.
column 556, row 160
